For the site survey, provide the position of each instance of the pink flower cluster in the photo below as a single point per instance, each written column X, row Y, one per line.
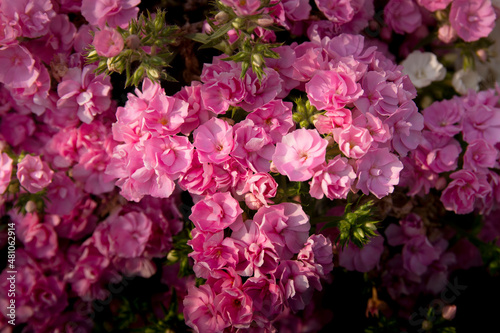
column 267, row 264
column 474, row 120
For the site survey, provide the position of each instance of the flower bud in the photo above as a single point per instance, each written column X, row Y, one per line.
column 257, row 60
column 173, row 256
column 265, row 20
column 449, row 312
column 238, row 23
column 221, row 17
column 30, row 206
column 133, row 42
column 153, row 73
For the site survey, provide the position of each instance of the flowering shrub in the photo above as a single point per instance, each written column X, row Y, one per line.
column 268, row 153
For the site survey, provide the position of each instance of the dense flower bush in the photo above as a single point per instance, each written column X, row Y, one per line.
column 229, row 167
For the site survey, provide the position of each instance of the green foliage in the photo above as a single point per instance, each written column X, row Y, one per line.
column 304, row 113
column 147, row 51
column 248, row 48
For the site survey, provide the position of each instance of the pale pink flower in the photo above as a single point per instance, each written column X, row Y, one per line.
column 171, row 155
column 418, row 253
column 362, row 260
column 332, row 90
column 480, row 155
column 407, row 124
column 164, row 115
column 333, row 119
column 108, row 42
column 379, row 97
column 33, row 173
column 116, row 13
column 200, row 311
column 129, row 234
column 378, row 172
column 379, row 131
column 17, row 67
column 284, row 67
column 5, row 171
column 9, row 31
column 224, row 90
column 402, row 16
column 472, row 19
column 286, row 225
column 84, row 93
column 297, row 10
column 334, row 180
column 253, row 148
column 461, row 193
column 310, row 58
column 338, row 11
column 215, row 213
column 214, row 141
column 299, row 153
column 353, row 141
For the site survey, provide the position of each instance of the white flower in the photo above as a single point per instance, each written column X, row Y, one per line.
column 463, row 80
column 423, row 68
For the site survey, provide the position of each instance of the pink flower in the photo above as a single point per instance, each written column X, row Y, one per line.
column 297, row 283
column 259, row 189
column 297, row 10
column 338, row 11
column 214, row 141
column 243, row 8
column 84, row 93
column 16, row 128
column 171, row 155
column 200, row 311
column 433, row 5
column 353, row 141
column 402, row 16
column 378, row 172
column 235, row 306
column 197, row 113
column 116, row 13
column 253, row 148
column 34, row 174
column 444, row 117
column 257, row 255
column 17, row 67
column 438, row 153
column 461, row 193
column 482, row 122
column 362, row 260
column 108, row 42
column 334, row 180
column 215, row 213
column 411, row 226
column 274, row 117
column 198, row 178
column 407, row 123
column 164, row 115
column 62, row 195
column 317, row 253
column 259, row 93
column 33, row 16
column 480, row 155
column 5, row 171
column 299, row 153
column 418, row 253
column 128, row 234
column 332, row 90
column 40, row 240
column 472, row 19
column 266, row 296
column 286, row 225
column 447, row 34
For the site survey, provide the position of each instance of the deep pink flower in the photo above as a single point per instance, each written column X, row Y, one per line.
column 334, row 180
column 16, row 128
column 259, row 93
column 108, row 42
column 224, row 90
column 297, row 283
column 33, row 16
column 332, row 90
column 259, row 189
column 407, row 123
column 129, row 234
column 243, row 8
column 378, row 172
column 444, row 117
column 461, row 193
column 362, row 260
column 257, row 255
column 284, row 67
column 353, row 141
column 411, row 226
column 286, row 225
column 197, row 113
column 116, row 13
column 482, row 122
column 418, row 254
column 215, row 213
column 472, row 19
column 317, row 253
column 274, row 117
column 437, row 153
column 200, row 311
column 33, row 173
column 171, row 155
column 433, row 5
column 5, row 171
column 40, row 240
column 266, row 296
column 299, row 153
column 236, row 307
column 297, row 10
column 380, row 96
column 402, row 16
column 62, row 195
column 214, row 141
column 198, row 179
column 480, row 155
column 164, row 115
